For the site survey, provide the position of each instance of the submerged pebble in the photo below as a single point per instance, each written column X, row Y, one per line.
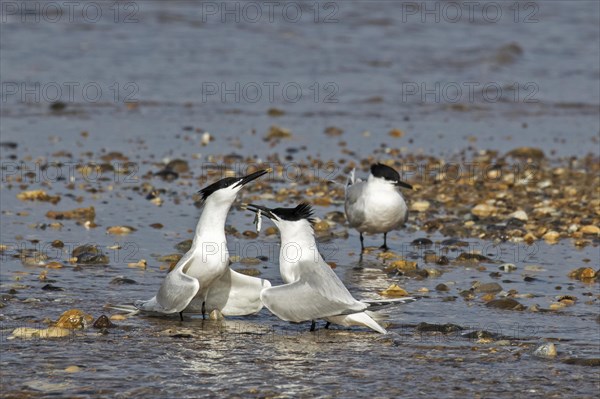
column 547, row 351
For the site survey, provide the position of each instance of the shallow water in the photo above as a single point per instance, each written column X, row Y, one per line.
column 170, row 56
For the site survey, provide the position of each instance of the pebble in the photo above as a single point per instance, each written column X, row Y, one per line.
column 404, row 265
column 420, row 206
column 551, row 237
column 488, row 288
column 89, row 254
column 77, row 213
column 442, row 287
column 120, row 230
column 484, row 210
column 508, row 267
column 216, row 315
column 73, row 319
column 38, row 195
column 547, row 351
column 117, row 317
column 141, row 264
column 590, row 229
column 253, row 272
column 583, row 274
column 50, row 332
column 505, row 304
column 394, row 291
column 443, row 328
column 520, row 215
column 120, row 280
column 73, row 369
column 103, row 322
column 534, row 268
column 321, row 226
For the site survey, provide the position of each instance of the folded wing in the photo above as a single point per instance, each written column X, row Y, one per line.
column 176, row 291
column 317, row 294
column 234, row 294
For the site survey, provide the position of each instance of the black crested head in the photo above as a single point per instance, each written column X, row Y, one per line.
column 385, row 172
column 226, row 182
column 302, row 211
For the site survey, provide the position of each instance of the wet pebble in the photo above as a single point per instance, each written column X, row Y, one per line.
column 121, row 280
column 103, row 322
column 120, row 230
column 73, row 319
column 394, row 291
column 253, row 272
column 216, row 315
column 488, row 288
column 547, row 351
column 442, row 287
column 89, row 254
column 83, row 214
column 443, row 328
column 505, row 304
column 508, row 267
column 591, row 362
column 583, row 274
column 422, row 242
column 184, row 245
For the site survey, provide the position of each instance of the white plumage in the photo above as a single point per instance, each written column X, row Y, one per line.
column 376, row 205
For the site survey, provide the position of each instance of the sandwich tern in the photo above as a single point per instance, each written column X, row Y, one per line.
column 202, row 280
column 376, row 205
column 312, row 290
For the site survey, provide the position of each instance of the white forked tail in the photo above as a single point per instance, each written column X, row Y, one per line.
column 357, row 319
column 351, row 178
column 129, row 309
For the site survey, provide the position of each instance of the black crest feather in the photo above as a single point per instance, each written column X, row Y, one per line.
column 302, row 211
column 384, row 171
column 226, row 182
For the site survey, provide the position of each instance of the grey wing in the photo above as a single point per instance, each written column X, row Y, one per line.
column 234, row 294
column 175, row 292
column 315, row 295
column 353, row 204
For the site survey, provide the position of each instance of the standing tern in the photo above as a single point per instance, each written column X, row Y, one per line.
column 312, row 290
column 376, row 206
column 202, row 280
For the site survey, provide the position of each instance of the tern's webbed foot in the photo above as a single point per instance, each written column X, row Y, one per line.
column 384, row 247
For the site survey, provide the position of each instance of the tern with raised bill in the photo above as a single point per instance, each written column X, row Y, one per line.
column 376, row 205
column 202, row 280
column 312, row 290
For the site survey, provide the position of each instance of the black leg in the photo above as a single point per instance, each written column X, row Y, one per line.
column 203, row 310
column 327, row 325
column 362, row 243
column 384, row 246
column 313, row 325
column 181, row 316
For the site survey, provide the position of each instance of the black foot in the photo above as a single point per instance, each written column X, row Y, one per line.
column 203, row 311
column 384, row 247
column 180, row 316
column 313, row 325
column 327, row 325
